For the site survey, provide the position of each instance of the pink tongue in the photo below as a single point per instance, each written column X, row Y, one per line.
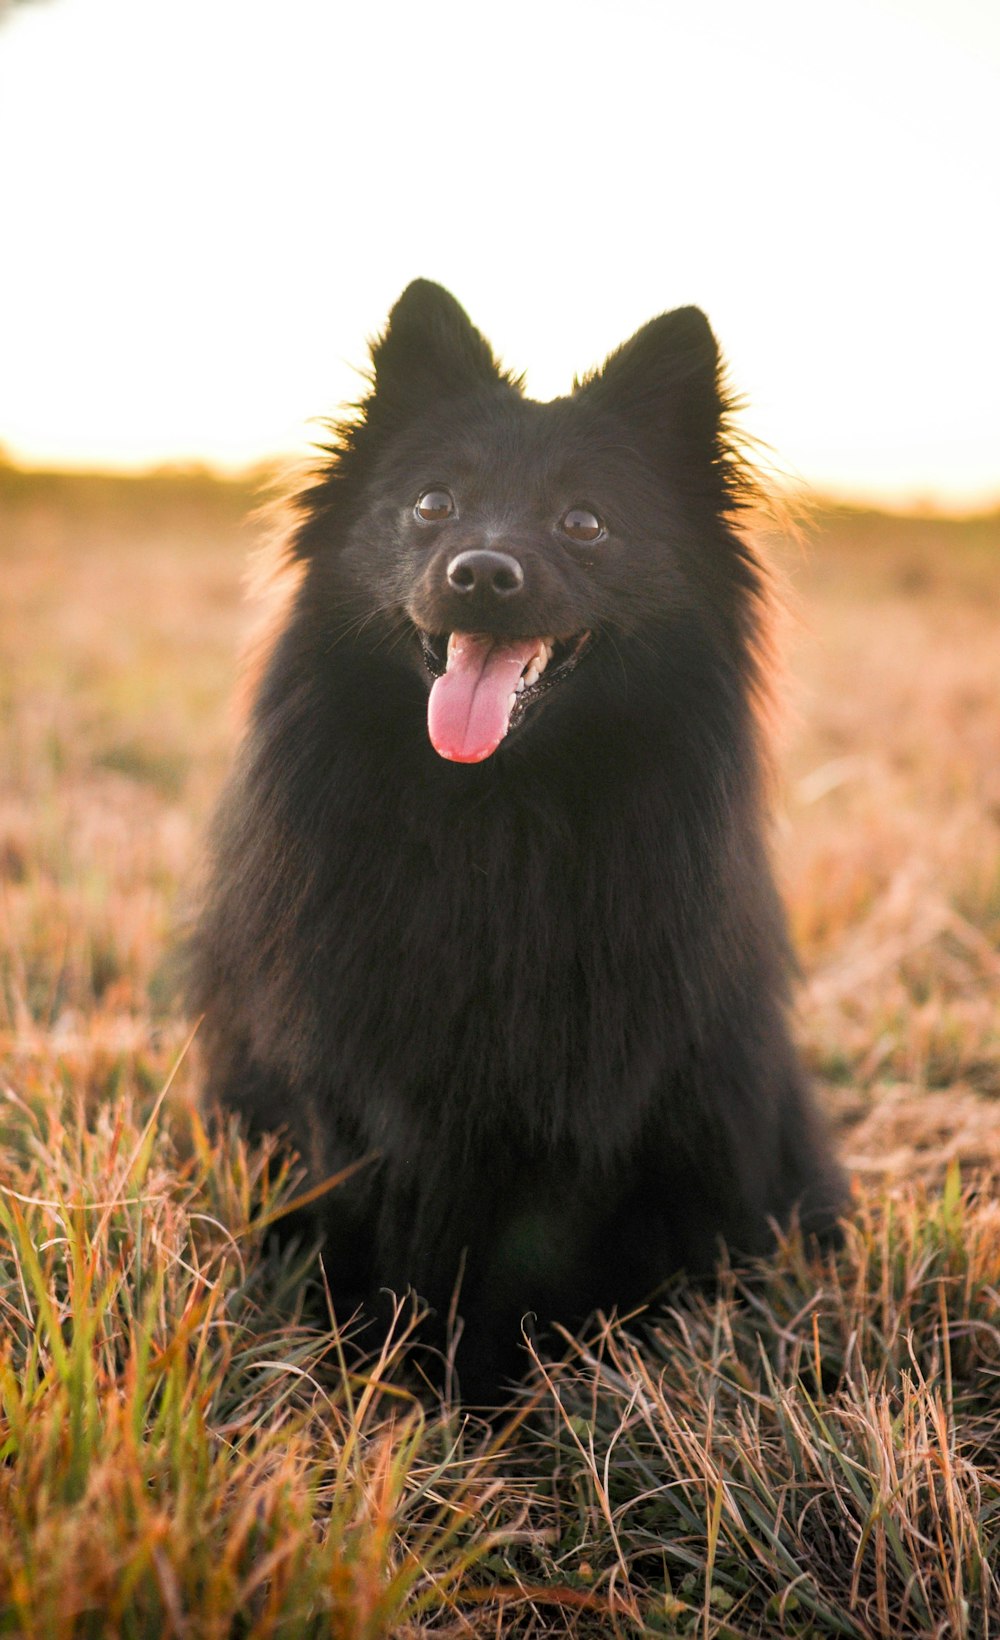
column 468, row 713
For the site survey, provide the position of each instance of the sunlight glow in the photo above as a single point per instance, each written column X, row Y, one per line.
column 208, row 208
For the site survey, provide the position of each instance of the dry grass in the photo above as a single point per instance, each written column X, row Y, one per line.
column 812, row 1451
column 891, row 847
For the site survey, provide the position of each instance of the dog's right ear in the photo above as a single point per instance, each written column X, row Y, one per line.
column 429, row 353
column 430, row 350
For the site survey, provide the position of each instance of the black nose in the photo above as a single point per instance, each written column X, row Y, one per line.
column 486, row 572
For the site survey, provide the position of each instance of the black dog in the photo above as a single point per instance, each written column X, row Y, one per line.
column 491, row 898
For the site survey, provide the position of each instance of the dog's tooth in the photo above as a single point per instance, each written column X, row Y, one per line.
column 511, row 700
column 531, row 676
column 519, row 686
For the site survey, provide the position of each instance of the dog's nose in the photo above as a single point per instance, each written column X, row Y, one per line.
column 484, row 571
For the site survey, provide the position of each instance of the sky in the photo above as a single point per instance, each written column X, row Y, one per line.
column 208, row 207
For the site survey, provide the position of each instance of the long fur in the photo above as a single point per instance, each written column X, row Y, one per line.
column 548, row 991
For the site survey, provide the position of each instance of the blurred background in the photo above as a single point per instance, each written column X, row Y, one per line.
column 209, row 207
column 207, row 210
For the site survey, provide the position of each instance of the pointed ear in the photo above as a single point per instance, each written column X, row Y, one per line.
column 429, row 350
column 666, row 379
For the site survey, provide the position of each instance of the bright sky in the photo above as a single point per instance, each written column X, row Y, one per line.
column 208, row 205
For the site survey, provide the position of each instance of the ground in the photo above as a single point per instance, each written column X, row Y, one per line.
column 182, row 1453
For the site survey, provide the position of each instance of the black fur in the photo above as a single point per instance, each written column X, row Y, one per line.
column 548, row 989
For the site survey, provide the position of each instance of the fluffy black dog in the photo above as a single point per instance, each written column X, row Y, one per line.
column 491, row 900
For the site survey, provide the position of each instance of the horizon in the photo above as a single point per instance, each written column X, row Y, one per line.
column 801, row 502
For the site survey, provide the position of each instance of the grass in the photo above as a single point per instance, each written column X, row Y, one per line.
column 187, row 1449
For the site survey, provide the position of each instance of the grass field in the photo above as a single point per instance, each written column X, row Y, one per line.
column 185, row 1450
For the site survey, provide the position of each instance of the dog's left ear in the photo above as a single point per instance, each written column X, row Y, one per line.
column 430, row 350
column 666, row 378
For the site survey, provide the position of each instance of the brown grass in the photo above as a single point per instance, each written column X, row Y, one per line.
column 815, row 1451
column 119, row 630
column 890, row 845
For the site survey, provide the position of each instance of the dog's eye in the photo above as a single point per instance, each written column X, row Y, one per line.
column 434, row 505
column 580, row 524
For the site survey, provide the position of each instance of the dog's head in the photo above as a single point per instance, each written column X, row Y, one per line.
column 493, row 541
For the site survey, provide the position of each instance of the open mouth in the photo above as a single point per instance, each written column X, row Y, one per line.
column 485, row 686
